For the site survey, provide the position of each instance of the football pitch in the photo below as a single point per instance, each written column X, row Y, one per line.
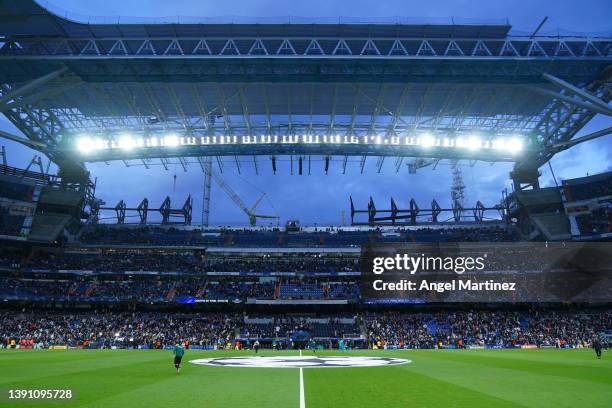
column 431, row 378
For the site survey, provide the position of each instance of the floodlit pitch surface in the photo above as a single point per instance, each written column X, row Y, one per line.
column 433, row 378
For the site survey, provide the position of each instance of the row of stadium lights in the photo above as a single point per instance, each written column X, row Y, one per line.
column 512, row 145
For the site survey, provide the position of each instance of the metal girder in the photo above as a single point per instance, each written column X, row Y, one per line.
column 26, row 142
column 177, row 106
column 380, row 69
column 15, row 93
column 606, row 110
column 300, row 149
column 37, row 123
column 256, row 165
column 206, row 165
column 398, row 110
column 45, row 93
column 201, row 106
column 133, row 109
column 183, row 163
column 559, row 124
column 580, row 92
column 164, row 163
column 420, row 163
column 220, row 164
column 414, row 215
column 379, row 164
column 582, row 139
column 374, row 66
column 362, row 163
column 237, row 164
column 398, row 163
column 267, row 108
column 41, row 126
column 245, row 109
column 282, row 47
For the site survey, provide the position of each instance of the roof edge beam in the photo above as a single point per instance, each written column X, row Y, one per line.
column 581, row 139
column 571, row 88
column 26, row 142
column 573, row 101
column 32, row 84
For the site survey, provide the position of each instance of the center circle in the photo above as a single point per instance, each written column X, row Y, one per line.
column 300, row 361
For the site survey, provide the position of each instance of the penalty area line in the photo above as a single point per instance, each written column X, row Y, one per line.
column 302, row 399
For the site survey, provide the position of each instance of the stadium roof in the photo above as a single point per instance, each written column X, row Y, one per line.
column 386, row 89
column 30, row 18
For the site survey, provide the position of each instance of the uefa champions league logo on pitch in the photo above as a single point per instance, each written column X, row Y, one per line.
column 300, row 362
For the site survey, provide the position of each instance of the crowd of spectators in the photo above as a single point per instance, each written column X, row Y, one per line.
column 116, row 261
column 455, row 329
column 597, row 222
column 288, row 326
column 168, row 290
column 275, row 237
column 500, row 257
column 172, row 261
column 599, row 185
column 486, row 329
column 303, row 263
column 121, row 330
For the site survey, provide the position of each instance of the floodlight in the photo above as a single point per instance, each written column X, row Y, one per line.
column 499, row 144
column 100, row 143
column 126, row 142
column 85, row 145
column 428, row 141
column 514, row 145
column 474, row 143
column 171, row 141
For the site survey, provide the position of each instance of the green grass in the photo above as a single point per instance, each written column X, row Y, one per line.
column 435, row 378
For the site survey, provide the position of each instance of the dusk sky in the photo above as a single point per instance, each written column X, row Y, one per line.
column 319, row 198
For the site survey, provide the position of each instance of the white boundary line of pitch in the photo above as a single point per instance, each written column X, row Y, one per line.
column 302, row 399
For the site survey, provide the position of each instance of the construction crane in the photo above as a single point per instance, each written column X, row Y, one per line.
column 250, row 212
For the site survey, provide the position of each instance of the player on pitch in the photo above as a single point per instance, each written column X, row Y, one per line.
column 312, row 345
column 597, row 346
column 178, row 353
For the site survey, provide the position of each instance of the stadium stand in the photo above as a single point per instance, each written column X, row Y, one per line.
column 10, row 224
column 13, row 190
column 331, row 237
column 599, row 221
column 555, row 227
column 588, row 203
column 491, row 329
column 149, row 285
column 444, row 329
column 70, row 288
column 585, row 188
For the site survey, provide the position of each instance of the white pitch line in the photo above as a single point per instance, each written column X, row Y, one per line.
column 302, row 399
